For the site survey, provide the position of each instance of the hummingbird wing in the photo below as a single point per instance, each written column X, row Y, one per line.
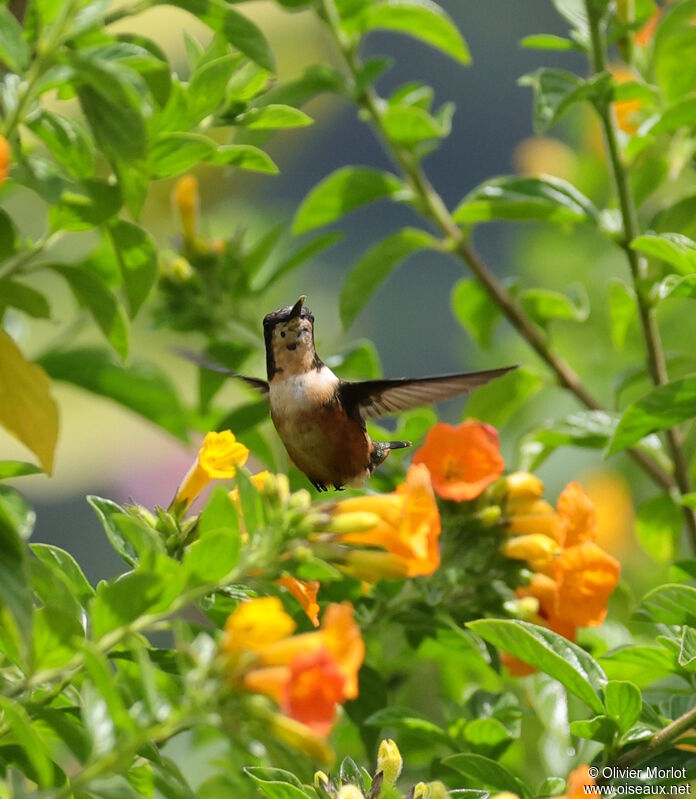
column 371, row 399
column 205, row 362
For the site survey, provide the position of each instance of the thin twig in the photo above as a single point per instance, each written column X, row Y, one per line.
column 438, row 213
column 629, row 215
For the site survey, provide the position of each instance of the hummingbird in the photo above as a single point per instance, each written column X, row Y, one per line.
column 320, row 418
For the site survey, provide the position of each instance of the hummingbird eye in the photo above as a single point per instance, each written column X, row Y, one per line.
column 282, row 334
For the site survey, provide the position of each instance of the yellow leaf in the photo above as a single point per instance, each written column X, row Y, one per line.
column 27, row 409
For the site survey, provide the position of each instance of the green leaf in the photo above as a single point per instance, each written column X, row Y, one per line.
column 17, row 719
column 497, row 401
column 359, row 361
column 556, row 91
column 239, row 31
column 71, row 570
column 13, row 49
column 142, row 387
column 408, row 721
column 101, row 674
column 125, row 599
column 107, row 510
column 208, row 87
column 102, row 304
column 548, row 41
column 276, row 783
column 244, row 156
column 687, row 651
column 67, row 140
column 575, row 12
column 273, row 116
column 9, row 469
column 547, row 199
column 661, row 409
column 270, row 272
column 623, row 702
column 410, row 125
column 8, row 236
column 549, row 652
column 658, row 527
column 343, row 191
column 675, row 286
column 545, row 305
column 641, row 664
column 422, row 19
column 111, row 106
column 16, row 523
column 677, row 250
column 56, row 637
column 475, row 310
column 219, row 513
column 669, row 604
column 375, row 266
column 212, row 557
column 17, row 295
column 622, row 311
column 85, row 205
column 599, row 728
column 171, row 154
column 136, row 254
column 27, row 410
column 487, row 773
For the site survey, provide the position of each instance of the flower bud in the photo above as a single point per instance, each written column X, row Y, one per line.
column 300, row 500
column 299, row 736
column 421, row 791
column 490, row 516
column 322, row 782
column 350, row 792
column 538, row 550
column 523, row 485
column 5, row 157
column 277, row 487
column 389, row 761
column 372, row 566
column 438, row 790
column 186, row 201
column 354, row 522
column 525, row 608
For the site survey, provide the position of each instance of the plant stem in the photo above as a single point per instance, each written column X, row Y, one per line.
column 438, row 213
column 638, row 268
column 661, row 740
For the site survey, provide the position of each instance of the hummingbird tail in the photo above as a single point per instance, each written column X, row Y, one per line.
column 381, row 449
column 398, row 444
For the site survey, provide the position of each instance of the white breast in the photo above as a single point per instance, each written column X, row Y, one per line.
column 301, row 392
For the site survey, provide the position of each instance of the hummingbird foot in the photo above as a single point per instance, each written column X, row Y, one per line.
column 319, row 486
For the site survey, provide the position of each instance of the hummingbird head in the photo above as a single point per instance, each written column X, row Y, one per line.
column 289, row 337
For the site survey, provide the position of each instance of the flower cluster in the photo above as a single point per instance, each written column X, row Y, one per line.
column 306, row 675
column 392, row 535
column 573, row 577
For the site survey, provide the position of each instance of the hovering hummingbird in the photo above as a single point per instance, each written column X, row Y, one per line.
column 321, row 418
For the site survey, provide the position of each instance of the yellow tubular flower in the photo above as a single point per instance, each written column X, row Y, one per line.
column 408, row 528
column 529, row 516
column 299, row 736
column 538, row 550
column 186, row 201
column 256, row 624
column 389, row 761
column 219, row 458
column 523, row 485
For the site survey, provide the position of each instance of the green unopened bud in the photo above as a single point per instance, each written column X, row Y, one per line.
column 300, row 500
column 525, row 608
column 313, row 522
column 350, row 792
column 277, row 487
column 389, row 761
column 177, row 269
column 438, row 790
column 421, row 791
column 322, row 782
column 356, row 522
column 490, row 515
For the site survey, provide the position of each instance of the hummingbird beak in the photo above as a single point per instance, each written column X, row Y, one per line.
column 297, row 307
